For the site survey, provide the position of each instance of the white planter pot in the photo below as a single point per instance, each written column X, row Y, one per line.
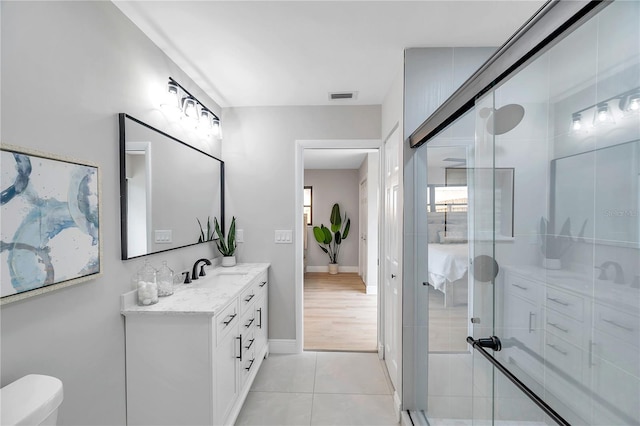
column 551, row 263
column 333, row 268
column 228, row 261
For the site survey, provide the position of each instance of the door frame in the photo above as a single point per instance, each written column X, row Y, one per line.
column 300, row 146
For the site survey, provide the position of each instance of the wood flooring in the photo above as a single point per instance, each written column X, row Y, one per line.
column 338, row 314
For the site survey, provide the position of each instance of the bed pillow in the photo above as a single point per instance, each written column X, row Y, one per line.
column 433, row 232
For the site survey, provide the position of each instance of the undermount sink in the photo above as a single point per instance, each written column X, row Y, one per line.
column 220, row 278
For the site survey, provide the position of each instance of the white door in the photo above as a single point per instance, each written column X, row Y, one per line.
column 391, row 279
column 363, row 231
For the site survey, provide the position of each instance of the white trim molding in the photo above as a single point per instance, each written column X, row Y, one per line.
column 283, row 346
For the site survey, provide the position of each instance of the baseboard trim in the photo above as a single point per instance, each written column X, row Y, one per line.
column 283, row 346
column 347, row 269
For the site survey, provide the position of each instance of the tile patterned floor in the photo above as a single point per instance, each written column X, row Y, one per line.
column 320, row 388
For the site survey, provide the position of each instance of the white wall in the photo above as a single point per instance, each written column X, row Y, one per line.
column 76, row 65
column 259, row 152
column 329, row 187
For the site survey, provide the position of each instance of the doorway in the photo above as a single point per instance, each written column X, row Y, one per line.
column 338, row 312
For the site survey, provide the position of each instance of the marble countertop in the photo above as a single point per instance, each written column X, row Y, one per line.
column 207, row 295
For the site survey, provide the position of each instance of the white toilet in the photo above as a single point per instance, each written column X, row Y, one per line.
column 31, row 400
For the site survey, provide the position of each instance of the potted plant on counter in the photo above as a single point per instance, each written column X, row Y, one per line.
column 226, row 247
column 329, row 240
column 554, row 247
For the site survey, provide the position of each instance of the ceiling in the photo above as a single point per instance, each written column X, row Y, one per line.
column 325, row 159
column 264, row 53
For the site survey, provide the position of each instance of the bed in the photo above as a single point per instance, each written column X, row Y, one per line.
column 448, row 266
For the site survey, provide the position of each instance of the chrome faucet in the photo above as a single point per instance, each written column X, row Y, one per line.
column 194, row 272
column 617, row 276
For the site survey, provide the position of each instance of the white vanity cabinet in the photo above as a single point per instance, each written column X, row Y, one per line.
column 187, row 364
column 585, row 350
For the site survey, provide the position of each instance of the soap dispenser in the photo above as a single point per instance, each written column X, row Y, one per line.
column 147, row 285
column 165, row 280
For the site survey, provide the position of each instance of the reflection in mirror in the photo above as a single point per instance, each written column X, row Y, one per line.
column 166, row 186
column 596, row 180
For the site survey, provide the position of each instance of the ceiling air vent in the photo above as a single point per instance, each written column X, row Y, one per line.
column 336, row 96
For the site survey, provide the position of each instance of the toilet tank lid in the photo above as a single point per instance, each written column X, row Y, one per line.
column 30, row 399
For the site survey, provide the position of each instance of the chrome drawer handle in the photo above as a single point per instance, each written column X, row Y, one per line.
column 555, row 348
column 521, row 287
column 247, row 325
column 553, row 299
column 231, row 317
column 263, row 284
column 554, row 325
column 260, row 313
column 248, row 299
column 615, row 324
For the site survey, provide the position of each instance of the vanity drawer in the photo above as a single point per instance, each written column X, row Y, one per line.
column 226, row 320
column 248, row 296
column 564, row 327
column 262, row 285
column 248, row 320
column 565, row 303
column 563, row 355
column 523, row 287
column 619, row 324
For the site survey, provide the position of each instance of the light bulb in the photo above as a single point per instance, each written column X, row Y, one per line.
column 171, row 101
column 603, row 115
column 576, row 122
column 634, row 103
column 190, row 108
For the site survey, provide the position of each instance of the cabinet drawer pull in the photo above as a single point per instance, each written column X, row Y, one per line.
column 250, row 364
column 231, row 317
column 531, row 316
column 263, row 283
column 248, row 299
column 259, row 317
column 554, row 325
column 558, row 301
column 247, row 325
column 615, row 324
column 240, row 348
column 557, row 349
column 521, row 287
column 250, row 344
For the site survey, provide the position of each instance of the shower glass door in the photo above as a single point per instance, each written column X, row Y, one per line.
column 553, row 181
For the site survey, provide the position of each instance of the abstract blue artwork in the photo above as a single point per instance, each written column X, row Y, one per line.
column 49, row 223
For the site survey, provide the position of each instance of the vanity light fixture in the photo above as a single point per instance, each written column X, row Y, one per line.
column 178, row 99
column 603, row 115
column 576, row 121
column 605, row 112
column 171, row 101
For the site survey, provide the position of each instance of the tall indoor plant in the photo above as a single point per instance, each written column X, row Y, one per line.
column 329, row 240
column 226, row 247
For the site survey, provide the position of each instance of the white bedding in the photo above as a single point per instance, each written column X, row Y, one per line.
column 447, row 263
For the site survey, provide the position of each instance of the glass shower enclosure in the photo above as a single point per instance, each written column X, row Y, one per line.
column 530, row 206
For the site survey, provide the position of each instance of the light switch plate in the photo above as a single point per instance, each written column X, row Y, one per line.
column 284, row 236
column 163, row 236
column 240, row 235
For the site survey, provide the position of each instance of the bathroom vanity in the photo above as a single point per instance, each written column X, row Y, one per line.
column 191, row 358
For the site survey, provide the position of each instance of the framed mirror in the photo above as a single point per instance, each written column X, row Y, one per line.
column 586, row 188
column 166, row 187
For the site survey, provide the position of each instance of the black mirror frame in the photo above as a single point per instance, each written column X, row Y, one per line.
column 123, row 184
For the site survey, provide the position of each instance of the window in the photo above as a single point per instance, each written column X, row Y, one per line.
column 307, row 203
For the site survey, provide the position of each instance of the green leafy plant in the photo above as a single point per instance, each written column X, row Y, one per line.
column 209, row 235
column 226, row 247
column 556, row 246
column 329, row 240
